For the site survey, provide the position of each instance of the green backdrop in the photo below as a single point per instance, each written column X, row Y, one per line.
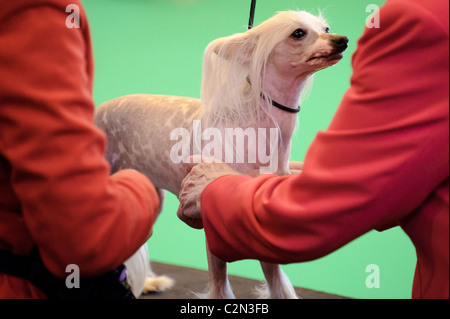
column 156, row 47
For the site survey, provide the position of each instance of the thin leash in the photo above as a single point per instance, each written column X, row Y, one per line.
column 252, row 14
column 250, row 26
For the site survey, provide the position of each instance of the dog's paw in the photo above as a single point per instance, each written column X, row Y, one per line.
column 263, row 291
column 222, row 293
column 157, row 284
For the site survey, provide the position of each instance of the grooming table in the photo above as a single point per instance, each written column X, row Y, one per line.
column 189, row 280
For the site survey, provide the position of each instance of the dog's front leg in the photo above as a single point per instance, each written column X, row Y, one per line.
column 277, row 284
column 219, row 285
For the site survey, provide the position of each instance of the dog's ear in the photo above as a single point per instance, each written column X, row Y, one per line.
column 239, row 47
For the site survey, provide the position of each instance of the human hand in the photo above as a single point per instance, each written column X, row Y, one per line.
column 295, row 167
column 197, row 178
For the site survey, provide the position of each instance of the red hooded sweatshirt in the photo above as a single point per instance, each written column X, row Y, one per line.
column 55, row 190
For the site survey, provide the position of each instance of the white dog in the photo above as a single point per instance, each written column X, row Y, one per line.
column 252, row 83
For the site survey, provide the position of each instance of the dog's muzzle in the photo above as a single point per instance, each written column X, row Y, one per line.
column 340, row 43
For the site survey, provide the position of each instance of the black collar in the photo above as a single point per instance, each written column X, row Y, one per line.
column 285, row 108
column 280, row 106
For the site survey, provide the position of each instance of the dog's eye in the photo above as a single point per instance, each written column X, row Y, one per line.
column 298, row 34
column 327, row 30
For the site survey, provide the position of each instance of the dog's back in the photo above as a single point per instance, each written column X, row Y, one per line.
column 138, row 130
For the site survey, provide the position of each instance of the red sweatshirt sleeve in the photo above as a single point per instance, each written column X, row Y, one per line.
column 74, row 211
column 385, row 152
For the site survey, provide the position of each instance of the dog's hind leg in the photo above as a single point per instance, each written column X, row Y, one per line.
column 219, row 285
column 277, row 284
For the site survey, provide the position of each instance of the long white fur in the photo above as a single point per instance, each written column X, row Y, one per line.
column 234, row 72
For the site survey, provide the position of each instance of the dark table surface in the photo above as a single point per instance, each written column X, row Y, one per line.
column 188, row 281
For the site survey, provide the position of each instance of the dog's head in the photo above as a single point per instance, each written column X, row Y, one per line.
column 307, row 44
column 296, row 38
column 295, row 43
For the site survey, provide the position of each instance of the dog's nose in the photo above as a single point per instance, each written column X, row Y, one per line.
column 340, row 42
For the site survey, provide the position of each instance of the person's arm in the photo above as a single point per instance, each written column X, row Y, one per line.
column 385, row 151
column 75, row 212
